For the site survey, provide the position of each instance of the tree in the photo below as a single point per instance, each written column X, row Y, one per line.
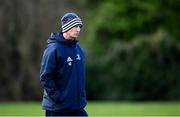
column 126, row 71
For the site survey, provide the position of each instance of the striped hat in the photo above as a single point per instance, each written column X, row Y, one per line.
column 69, row 20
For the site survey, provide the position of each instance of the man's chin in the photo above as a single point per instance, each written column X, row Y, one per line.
column 75, row 36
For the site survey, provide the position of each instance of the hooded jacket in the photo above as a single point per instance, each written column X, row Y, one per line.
column 62, row 74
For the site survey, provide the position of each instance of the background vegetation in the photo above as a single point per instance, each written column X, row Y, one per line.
column 134, row 50
column 132, row 47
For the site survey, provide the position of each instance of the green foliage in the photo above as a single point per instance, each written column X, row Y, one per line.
column 134, row 50
column 143, row 69
column 122, row 20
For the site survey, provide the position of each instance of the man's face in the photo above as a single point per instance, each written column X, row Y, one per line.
column 74, row 32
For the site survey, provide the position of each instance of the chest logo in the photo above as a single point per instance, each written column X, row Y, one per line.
column 78, row 57
column 69, row 60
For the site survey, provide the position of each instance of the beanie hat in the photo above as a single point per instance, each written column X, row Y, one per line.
column 69, row 20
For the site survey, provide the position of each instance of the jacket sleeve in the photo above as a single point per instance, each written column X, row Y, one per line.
column 47, row 74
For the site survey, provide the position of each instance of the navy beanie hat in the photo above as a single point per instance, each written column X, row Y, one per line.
column 69, row 20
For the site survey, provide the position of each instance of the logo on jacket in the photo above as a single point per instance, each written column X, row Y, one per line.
column 78, row 57
column 69, row 60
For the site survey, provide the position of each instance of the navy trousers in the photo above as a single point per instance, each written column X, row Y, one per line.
column 66, row 113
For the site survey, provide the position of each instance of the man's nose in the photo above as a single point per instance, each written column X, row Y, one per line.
column 78, row 28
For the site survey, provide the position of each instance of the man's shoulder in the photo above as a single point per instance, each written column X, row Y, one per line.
column 54, row 45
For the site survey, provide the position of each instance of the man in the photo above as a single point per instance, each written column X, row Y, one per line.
column 62, row 72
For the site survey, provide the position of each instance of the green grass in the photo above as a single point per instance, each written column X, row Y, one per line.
column 99, row 108
column 21, row 108
column 134, row 109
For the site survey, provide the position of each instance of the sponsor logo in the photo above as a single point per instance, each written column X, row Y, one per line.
column 69, row 60
column 78, row 57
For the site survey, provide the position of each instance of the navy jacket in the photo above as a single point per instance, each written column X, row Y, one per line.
column 62, row 74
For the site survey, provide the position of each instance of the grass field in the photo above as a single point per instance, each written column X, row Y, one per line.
column 99, row 109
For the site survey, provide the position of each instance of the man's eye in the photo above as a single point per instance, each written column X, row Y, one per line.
column 80, row 26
